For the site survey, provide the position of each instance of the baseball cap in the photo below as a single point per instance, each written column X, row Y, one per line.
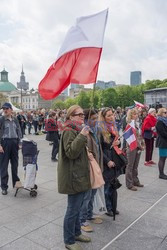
column 7, row 105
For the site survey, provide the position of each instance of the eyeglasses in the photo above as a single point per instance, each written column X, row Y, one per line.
column 79, row 114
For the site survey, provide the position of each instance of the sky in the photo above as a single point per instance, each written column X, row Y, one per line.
column 31, row 33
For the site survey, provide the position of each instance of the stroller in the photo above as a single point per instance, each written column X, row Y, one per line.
column 30, row 155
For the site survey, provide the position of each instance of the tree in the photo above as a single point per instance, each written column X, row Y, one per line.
column 58, row 104
column 69, row 102
column 3, row 99
column 83, row 100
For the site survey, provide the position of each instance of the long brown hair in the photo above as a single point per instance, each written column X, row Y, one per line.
column 102, row 124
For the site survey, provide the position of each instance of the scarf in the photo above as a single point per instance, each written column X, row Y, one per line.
column 112, row 129
column 162, row 119
column 72, row 125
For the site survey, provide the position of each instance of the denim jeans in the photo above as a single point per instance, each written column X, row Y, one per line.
column 90, row 205
column 72, row 226
column 108, row 192
column 84, row 208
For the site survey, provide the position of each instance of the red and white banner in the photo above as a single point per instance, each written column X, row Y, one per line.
column 78, row 58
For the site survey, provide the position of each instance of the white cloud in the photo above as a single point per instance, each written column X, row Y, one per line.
column 31, row 32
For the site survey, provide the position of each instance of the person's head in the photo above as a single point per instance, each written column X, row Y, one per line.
column 152, row 112
column 162, row 112
column 7, row 109
column 61, row 114
column 75, row 113
column 53, row 115
column 106, row 116
column 132, row 114
column 90, row 117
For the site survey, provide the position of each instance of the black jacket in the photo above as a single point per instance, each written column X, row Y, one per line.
column 109, row 154
column 161, row 141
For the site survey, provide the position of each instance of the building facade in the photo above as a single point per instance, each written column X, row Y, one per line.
column 135, row 78
column 105, row 85
column 153, row 97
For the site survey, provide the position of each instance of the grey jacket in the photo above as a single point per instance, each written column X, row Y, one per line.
column 2, row 126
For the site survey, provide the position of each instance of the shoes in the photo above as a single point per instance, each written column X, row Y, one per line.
column 139, row 185
column 83, row 238
column 148, row 164
column 54, row 159
column 18, row 184
column 74, row 247
column 163, row 176
column 133, row 188
column 4, row 192
column 117, row 212
column 110, row 213
column 87, row 228
column 152, row 162
column 96, row 220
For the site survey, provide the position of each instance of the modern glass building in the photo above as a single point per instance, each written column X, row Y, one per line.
column 135, row 78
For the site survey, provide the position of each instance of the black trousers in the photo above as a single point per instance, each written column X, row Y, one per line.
column 55, row 148
column 10, row 147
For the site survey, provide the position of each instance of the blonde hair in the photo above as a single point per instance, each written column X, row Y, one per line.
column 130, row 113
column 160, row 111
column 102, row 124
column 71, row 111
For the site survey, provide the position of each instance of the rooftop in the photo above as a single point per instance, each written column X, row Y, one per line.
column 156, row 89
column 6, row 86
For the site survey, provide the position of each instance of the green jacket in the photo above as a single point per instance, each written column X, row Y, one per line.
column 73, row 166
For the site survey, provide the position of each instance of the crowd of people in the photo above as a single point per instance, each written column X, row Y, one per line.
column 79, row 138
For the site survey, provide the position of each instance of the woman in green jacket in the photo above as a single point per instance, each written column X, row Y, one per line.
column 74, row 174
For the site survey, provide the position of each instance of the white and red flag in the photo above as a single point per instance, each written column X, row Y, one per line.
column 130, row 136
column 78, row 59
column 140, row 105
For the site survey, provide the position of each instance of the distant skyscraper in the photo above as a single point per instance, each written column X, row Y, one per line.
column 105, row 85
column 23, row 84
column 135, row 78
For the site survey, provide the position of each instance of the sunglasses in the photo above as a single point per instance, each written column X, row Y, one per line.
column 5, row 108
column 79, row 114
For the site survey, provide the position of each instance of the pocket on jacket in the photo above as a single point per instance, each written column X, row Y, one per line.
column 80, row 182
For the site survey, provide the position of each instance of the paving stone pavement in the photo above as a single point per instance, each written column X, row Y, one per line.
column 28, row 223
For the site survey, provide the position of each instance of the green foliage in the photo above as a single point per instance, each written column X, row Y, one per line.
column 122, row 96
column 58, row 104
column 3, row 99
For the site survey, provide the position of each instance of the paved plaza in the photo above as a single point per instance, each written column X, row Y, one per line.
column 28, row 223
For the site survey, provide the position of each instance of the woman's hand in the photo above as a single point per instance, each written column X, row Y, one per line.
column 1, row 149
column 85, row 130
column 116, row 143
column 111, row 164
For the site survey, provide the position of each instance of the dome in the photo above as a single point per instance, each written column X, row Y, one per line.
column 6, row 87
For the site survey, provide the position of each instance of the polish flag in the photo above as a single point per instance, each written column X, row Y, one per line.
column 140, row 105
column 78, row 58
column 130, row 136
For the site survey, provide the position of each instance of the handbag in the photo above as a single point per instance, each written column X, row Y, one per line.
column 96, row 177
column 147, row 134
column 115, row 183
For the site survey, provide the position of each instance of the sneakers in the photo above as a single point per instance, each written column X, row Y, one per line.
column 87, row 228
column 83, row 238
column 96, row 220
column 152, row 162
column 18, row 184
column 4, row 192
column 74, row 247
column 163, row 176
column 133, row 188
column 148, row 164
